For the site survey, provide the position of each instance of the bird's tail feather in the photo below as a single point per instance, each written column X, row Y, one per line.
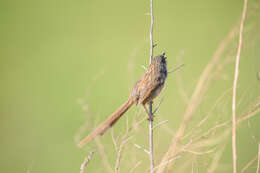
column 109, row 122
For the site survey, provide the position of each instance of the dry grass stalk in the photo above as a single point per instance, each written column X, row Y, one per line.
column 216, row 159
column 258, row 159
column 136, row 165
column 151, row 105
column 234, row 148
column 103, row 156
column 249, row 164
column 219, row 99
column 201, row 140
column 124, row 140
column 248, row 115
column 151, row 31
column 151, row 137
column 179, row 80
column 166, row 162
column 119, row 153
column 143, row 149
column 86, row 161
column 196, row 99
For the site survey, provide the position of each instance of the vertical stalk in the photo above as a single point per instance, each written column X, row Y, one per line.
column 234, row 146
column 151, row 137
column 151, row 104
column 151, row 30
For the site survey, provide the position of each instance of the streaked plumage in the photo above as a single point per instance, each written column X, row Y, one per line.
column 144, row 91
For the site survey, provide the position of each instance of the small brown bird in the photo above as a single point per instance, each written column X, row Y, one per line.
column 144, row 91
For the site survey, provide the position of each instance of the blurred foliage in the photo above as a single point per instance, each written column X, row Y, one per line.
column 58, row 57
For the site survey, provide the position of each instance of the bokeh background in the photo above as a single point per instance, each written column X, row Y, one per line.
column 66, row 65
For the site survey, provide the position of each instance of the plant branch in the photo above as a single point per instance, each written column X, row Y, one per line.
column 249, row 164
column 176, row 68
column 151, row 137
column 86, row 161
column 195, row 100
column 258, row 158
column 124, row 141
column 151, row 104
column 235, row 88
column 151, row 31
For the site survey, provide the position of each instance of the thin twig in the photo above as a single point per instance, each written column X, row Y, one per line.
column 234, row 150
column 144, row 67
column 166, row 162
column 86, row 161
column 151, row 31
column 151, row 137
column 219, row 99
column 119, row 153
column 252, row 134
column 258, row 158
column 248, row 115
column 136, row 165
column 151, row 104
column 141, row 148
column 208, row 114
column 205, row 134
column 249, row 164
column 113, row 138
column 216, row 159
column 157, row 107
column 192, row 167
column 199, row 153
column 103, row 156
column 124, row 140
column 160, row 123
column 176, row 68
column 179, row 79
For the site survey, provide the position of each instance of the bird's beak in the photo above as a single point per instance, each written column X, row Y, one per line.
column 164, row 55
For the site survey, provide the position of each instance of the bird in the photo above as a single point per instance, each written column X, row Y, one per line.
column 145, row 90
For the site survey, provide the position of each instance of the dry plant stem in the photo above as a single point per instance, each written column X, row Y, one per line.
column 175, row 69
column 192, row 168
column 119, row 154
column 248, row 115
column 215, row 160
column 160, row 123
column 125, row 139
column 151, row 31
column 195, row 99
column 143, row 149
column 180, row 82
column 192, row 143
column 151, row 104
column 199, row 153
column 151, row 137
column 249, row 164
column 234, row 150
column 86, row 161
column 207, row 116
column 103, row 156
column 136, row 165
column 113, row 139
column 258, row 159
column 158, row 105
column 166, row 162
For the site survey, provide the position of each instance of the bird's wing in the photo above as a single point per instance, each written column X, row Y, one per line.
column 147, row 85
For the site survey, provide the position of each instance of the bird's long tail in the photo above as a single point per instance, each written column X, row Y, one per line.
column 109, row 122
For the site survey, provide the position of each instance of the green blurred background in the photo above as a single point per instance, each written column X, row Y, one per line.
column 59, row 56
